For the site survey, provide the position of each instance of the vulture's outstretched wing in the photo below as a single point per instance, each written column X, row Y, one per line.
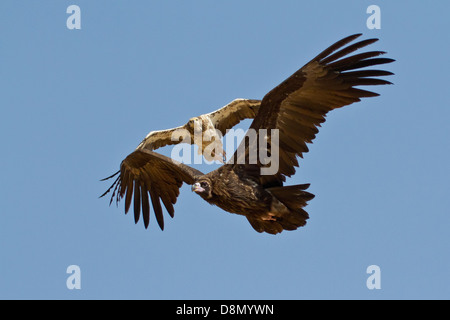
column 230, row 115
column 162, row 138
column 221, row 119
column 145, row 173
column 298, row 106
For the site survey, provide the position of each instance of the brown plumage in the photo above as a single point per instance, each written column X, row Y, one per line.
column 295, row 108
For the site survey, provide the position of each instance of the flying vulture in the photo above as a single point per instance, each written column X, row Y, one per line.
column 291, row 112
column 206, row 131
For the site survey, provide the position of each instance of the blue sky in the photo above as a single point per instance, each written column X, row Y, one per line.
column 76, row 102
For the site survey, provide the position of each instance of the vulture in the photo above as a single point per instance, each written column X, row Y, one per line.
column 206, row 130
column 287, row 119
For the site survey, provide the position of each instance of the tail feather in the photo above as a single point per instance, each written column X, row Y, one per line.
column 293, row 197
column 287, row 210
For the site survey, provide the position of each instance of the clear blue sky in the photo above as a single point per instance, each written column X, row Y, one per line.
column 74, row 103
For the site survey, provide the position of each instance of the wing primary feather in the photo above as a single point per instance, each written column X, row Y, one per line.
column 145, row 206
column 129, row 195
column 365, row 73
column 117, row 184
column 366, row 63
column 157, row 208
column 137, row 201
column 336, row 46
column 111, row 176
column 367, row 82
column 347, row 50
column 112, row 186
column 360, row 93
column 350, row 61
column 169, row 206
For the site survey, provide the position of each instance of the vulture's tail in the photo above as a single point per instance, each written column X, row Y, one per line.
column 287, row 210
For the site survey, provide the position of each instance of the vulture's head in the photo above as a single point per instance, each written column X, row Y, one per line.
column 203, row 188
column 195, row 124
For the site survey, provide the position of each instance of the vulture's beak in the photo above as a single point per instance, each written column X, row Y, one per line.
column 197, row 188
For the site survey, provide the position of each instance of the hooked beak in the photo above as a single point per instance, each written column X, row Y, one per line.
column 197, row 188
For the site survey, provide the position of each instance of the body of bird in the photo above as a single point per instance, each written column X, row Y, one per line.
column 233, row 189
column 238, row 189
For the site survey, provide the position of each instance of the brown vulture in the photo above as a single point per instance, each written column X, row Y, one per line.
column 292, row 112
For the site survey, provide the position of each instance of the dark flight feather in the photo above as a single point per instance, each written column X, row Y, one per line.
column 137, row 201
